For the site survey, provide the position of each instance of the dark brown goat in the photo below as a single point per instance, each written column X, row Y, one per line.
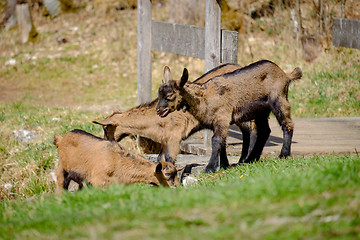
column 179, row 125
column 242, row 95
column 100, row 162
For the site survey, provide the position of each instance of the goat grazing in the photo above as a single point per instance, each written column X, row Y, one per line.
column 100, row 162
column 144, row 121
column 249, row 93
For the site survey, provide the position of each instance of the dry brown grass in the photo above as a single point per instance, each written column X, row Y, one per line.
column 90, row 56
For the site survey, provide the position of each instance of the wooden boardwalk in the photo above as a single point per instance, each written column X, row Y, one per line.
column 311, row 137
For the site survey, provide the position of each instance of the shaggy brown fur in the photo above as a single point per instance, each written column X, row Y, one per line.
column 100, row 162
column 242, row 95
column 179, row 125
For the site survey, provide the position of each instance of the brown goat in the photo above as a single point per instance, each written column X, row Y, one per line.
column 82, row 156
column 242, row 95
column 179, row 125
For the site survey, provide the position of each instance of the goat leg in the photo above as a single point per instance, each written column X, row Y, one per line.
column 218, row 142
column 246, row 133
column 162, row 155
column 286, row 148
column 224, row 162
column 67, row 180
column 168, row 158
column 262, row 134
column 282, row 111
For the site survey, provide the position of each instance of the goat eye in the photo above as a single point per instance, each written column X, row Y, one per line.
column 170, row 97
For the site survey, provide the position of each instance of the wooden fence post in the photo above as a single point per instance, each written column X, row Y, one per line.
column 209, row 43
column 26, row 28
column 212, row 44
column 346, row 33
column 144, row 52
column 212, row 34
column 229, row 46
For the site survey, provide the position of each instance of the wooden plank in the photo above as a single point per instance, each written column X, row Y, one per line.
column 144, row 52
column 187, row 40
column 53, row 7
column 229, row 46
column 346, row 33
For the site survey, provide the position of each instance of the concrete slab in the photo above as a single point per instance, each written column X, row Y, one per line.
column 311, row 137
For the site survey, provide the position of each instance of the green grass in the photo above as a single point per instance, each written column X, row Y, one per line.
column 333, row 91
column 301, row 198
column 27, row 166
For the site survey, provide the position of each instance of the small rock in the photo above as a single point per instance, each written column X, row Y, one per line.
column 53, row 177
column 8, row 186
column 25, row 136
column 55, row 119
column 10, row 62
column 189, row 181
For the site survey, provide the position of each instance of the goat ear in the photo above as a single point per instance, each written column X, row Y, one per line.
column 160, row 176
column 167, row 74
column 179, row 169
column 112, row 119
column 104, row 122
column 116, row 111
column 158, row 168
column 184, row 78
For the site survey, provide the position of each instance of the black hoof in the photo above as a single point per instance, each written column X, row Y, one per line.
column 284, row 155
column 209, row 169
column 224, row 166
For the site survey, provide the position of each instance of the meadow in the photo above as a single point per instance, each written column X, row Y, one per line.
column 52, row 86
column 302, row 198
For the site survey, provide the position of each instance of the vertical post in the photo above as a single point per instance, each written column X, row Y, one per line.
column 212, row 34
column 144, row 52
column 229, row 46
column 212, row 43
column 26, row 28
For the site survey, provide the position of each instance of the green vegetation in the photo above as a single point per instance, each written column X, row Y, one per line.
column 300, row 198
column 83, row 65
column 27, row 165
column 330, row 92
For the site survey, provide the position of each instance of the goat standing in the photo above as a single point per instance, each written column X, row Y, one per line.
column 144, row 121
column 239, row 96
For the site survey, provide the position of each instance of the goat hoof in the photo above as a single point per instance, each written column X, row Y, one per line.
column 236, row 164
column 225, row 166
column 209, row 169
column 284, row 155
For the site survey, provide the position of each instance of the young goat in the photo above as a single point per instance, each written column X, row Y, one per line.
column 83, row 156
column 242, row 95
column 179, row 125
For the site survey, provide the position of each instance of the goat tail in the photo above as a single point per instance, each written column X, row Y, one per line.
column 57, row 139
column 295, row 74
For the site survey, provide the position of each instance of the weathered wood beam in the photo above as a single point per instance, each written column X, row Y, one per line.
column 212, row 34
column 229, row 46
column 189, row 40
column 144, row 52
column 212, row 44
column 26, row 28
column 346, row 33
